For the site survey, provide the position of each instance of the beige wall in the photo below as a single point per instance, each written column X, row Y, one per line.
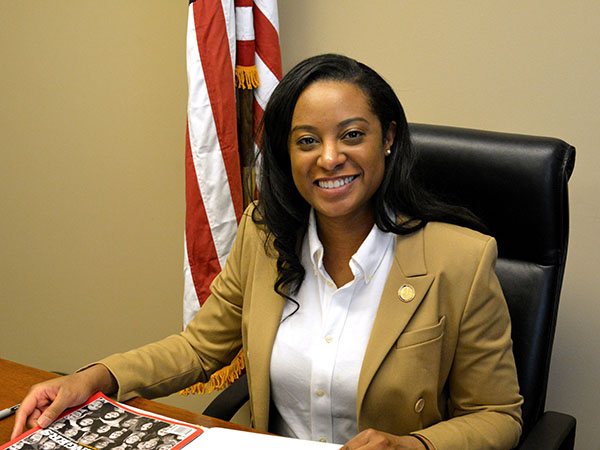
column 92, row 144
column 92, row 137
column 92, row 129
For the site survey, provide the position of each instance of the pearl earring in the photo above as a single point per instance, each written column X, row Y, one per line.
column 388, row 152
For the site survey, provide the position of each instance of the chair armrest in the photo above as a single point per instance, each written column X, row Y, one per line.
column 554, row 431
column 228, row 402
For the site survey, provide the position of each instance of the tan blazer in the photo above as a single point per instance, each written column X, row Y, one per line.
column 440, row 363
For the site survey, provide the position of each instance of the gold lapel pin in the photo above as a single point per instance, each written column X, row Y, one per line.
column 406, row 293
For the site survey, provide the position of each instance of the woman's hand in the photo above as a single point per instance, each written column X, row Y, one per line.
column 46, row 401
column 373, row 439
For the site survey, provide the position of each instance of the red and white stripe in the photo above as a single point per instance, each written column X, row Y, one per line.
column 244, row 29
column 268, row 54
column 213, row 181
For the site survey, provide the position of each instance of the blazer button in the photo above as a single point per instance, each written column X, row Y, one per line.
column 419, row 405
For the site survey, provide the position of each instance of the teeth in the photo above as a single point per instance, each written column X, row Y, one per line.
column 330, row 184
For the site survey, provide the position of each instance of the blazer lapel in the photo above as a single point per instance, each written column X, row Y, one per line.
column 394, row 314
column 262, row 327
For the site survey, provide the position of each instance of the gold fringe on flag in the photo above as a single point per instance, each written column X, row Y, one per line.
column 246, row 77
column 220, row 379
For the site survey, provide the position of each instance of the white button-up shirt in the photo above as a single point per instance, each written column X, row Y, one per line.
column 318, row 350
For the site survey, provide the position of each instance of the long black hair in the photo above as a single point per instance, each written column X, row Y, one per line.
column 400, row 205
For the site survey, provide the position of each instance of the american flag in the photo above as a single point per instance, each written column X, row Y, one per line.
column 214, row 199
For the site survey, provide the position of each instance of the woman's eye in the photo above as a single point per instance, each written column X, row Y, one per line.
column 354, row 134
column 307, row 141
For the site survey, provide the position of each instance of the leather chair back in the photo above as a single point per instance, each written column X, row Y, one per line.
column 517, row 185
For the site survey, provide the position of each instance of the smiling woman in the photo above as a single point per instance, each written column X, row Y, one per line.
column 337, row 152
column 337, row 188
column 324, row 89
column 368, row 316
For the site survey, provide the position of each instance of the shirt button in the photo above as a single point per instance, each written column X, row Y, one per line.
column 322, row 440
column 419, row 405
column 328, row 339
column 320, row 393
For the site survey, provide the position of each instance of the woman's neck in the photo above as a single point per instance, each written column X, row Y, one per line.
column 341, row 239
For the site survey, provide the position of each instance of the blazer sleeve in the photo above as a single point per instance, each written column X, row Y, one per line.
column 483, row 393
column 210, row 341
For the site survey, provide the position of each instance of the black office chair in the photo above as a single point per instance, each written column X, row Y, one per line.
column 517, row 185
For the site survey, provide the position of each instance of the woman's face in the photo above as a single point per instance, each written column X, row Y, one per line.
column 130, row 422
column 163, row 431
column 88, row 438
column 337, row 150
column 116, row 434
column 132, row 439
column 96, row 405
column 149, row 445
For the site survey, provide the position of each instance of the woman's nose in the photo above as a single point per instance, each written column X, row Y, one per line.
column 331, row 156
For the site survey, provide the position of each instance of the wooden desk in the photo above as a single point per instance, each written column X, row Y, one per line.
column 15, row 380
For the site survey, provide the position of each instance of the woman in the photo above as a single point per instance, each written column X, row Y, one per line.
column 364, row 318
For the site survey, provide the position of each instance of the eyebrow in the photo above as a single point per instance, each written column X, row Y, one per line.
column 342, row 124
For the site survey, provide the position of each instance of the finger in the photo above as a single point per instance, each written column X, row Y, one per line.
column 356, row 442
column 55, row 409
column 33, row 417
column 19, row 425
column 27, row 408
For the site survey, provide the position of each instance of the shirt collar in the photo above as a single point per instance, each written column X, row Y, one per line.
column 364, row 262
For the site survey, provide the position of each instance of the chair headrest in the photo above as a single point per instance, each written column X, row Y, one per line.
column 514, row 183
